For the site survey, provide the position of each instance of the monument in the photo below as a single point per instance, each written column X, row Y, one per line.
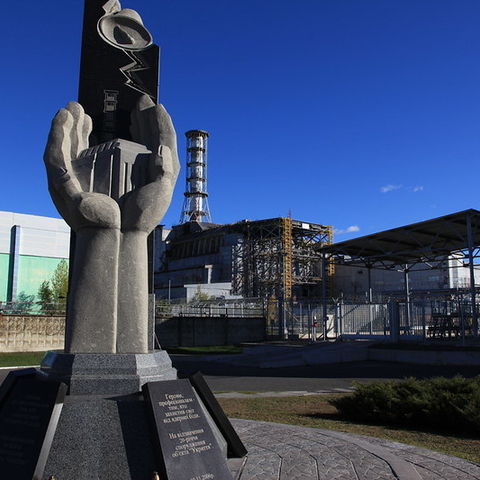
column 112, row 164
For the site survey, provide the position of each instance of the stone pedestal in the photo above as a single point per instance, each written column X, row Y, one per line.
column 104, row 431
column 108, row 374
column 101, row 437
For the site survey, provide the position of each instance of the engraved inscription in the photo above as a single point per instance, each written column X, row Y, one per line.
column 26, row 415
column 178, row 408
column 28, row 412
column 186, row 440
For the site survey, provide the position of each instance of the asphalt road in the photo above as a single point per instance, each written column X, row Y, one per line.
column 222, row 377
column 310, row 378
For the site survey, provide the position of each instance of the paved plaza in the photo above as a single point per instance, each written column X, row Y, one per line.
column 285, row 452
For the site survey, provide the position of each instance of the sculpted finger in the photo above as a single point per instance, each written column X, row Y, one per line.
column 57, row 150
column 164, row 127
column 58, row 153
column 165, row 132
column 175, row 163
column 145, row 102
column 174, row 166
column 153, row 127
column 87, row 128
column 167, row 167
column 81, row 128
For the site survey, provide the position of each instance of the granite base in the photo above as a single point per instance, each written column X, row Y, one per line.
column 107, row 374
column 103, row 431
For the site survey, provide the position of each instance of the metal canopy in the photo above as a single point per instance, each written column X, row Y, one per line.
column 429, row 243
column 425, row 242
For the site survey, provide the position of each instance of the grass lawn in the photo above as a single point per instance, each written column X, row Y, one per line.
column 315, row 411
column 20, row 359
column 214, row 350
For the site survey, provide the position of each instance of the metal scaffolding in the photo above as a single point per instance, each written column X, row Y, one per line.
column 279, row 257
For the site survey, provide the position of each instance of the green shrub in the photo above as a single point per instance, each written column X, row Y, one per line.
column 449, row 404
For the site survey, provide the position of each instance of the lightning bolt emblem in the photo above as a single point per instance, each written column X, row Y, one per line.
column 130, row 71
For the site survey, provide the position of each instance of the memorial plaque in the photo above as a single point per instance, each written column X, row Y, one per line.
column 27, row 424
column 186, row 446
column 7, row 386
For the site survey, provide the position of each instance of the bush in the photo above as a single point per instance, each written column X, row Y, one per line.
column 450, row 404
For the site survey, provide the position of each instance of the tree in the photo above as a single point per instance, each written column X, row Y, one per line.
column 53, row 293
column 59, row 282
column 24, row 302
column 45, row 296
column 200, row 295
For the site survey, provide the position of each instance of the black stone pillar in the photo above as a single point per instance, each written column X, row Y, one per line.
column 113, row 72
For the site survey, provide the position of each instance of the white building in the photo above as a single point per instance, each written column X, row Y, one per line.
column 30, row 249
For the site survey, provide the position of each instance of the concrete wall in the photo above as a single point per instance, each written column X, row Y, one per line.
column 36, row 333
column 31, row 333
column 203, row 331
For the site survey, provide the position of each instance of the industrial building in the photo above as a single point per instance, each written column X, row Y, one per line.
column 282, row 257
column 31, row 247
column 248, row 259
column 356, row 282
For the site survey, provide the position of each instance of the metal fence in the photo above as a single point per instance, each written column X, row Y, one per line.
column 438, row 318
column 361, row 318
column 249, row 308
column 32, row 308
column 444, row 317
column 417, row 319
column 245, row 308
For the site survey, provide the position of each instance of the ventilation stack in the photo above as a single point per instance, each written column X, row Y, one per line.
column 195, row 207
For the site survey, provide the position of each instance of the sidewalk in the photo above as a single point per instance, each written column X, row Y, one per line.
column 270, row 356
column 286, row 393
column 285, row 452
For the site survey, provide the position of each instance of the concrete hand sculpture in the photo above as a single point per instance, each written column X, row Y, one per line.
column 108, row 299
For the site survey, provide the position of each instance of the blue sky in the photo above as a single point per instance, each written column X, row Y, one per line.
column 361, row 114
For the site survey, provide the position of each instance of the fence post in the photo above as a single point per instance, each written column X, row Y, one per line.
column 311, row 314
column 424, row 321
column 342, row 316
column 394, row 320
column 336, row 327
column 281, row 318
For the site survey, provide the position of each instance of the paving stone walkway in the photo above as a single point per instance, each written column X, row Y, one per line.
column 285, row 452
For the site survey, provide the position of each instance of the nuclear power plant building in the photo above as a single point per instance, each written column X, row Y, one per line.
column 246, row 259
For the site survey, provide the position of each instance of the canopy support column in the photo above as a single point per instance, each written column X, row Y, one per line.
column 472, row 275
column 407, row 296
